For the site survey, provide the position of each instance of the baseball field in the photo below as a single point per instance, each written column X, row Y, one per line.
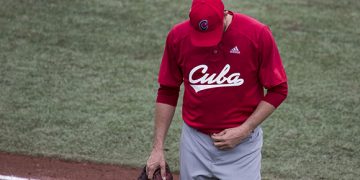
column 78, row 82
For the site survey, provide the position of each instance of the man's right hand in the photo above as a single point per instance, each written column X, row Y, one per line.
column 155, row 161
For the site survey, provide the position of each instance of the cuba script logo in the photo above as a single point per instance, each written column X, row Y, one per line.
column 214, row 80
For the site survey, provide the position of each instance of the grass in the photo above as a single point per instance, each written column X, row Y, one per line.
column 78, row 81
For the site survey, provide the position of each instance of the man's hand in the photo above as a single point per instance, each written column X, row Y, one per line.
column 229, row 138
column 155, row 161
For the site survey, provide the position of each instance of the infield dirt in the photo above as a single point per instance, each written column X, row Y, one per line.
column 42, row 168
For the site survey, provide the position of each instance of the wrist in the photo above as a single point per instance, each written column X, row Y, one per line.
column 158, row 147
column 247, row 128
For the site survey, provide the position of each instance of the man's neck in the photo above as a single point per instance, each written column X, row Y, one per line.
column 227, row 20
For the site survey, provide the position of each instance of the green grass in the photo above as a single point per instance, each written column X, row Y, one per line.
column 78, row 81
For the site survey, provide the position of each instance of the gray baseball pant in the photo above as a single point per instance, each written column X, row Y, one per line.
column 201, row 160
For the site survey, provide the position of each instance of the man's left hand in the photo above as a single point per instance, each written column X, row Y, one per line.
column 229, row 138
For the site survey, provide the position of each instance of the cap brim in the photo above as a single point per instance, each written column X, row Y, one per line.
column 206, row 39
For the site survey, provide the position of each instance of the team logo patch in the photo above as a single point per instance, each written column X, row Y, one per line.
column 203, row 25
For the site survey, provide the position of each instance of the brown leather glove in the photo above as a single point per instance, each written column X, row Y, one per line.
column 157, row 174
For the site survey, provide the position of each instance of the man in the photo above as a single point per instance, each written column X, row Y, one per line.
column 225, row 61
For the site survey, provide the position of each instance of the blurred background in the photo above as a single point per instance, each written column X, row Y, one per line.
column 78, row 80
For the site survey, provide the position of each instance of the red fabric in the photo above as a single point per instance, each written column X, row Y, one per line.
column 168, row 95
column 223, row 83
column 207, row 21
column 276, row 95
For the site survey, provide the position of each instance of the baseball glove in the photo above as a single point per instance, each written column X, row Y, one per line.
column 157, row 174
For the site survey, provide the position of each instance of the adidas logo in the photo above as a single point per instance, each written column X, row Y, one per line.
column 235, row 50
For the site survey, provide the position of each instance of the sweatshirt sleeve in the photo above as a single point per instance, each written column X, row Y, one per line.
column 277, row 94
column 272, row 73
column 168, row 95
column 170, row 75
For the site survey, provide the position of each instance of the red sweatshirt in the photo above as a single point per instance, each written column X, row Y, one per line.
column 225, row 83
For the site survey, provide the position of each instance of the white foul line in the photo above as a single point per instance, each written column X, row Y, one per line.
column 14, row 178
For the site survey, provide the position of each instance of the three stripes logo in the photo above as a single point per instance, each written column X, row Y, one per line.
column 235, row 50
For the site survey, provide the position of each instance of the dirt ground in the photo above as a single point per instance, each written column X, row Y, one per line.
column 27, row 167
